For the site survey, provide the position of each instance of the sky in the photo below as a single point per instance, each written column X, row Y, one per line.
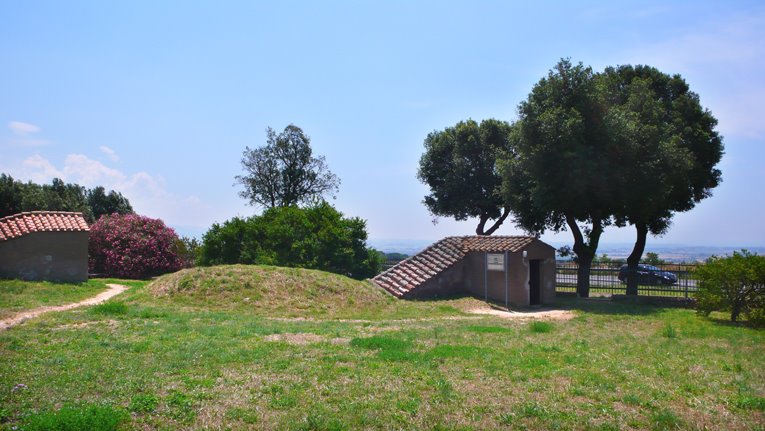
column 158, row 99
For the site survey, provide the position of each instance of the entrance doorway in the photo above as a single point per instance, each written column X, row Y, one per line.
column 534, row 283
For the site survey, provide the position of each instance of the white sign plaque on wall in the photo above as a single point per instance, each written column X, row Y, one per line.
column 495, row 262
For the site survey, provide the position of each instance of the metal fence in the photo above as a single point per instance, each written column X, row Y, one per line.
column 670, row 280
column 605, row 278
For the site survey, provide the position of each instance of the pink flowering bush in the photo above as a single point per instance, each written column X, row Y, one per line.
column 132, row 246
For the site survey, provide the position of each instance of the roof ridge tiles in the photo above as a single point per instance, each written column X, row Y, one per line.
column 16, row 225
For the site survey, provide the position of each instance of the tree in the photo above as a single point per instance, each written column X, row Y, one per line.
column 284, row 172
column 16, row 197
column 562, row 176
column 460, row 167
column 101, row 203
column 188, row 251
column 60, row 196
column 316, row 237
column 667, row 146
column 10, row 195
column 653, row 259
column 734, row 283
column 132, row 246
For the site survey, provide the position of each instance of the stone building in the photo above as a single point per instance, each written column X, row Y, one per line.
column 44, row 245
column 511, row 270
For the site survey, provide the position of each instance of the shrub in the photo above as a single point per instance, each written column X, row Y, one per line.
column 132, row 246
column 735, row 283
column 316, row 237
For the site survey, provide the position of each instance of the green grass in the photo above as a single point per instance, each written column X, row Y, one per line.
column 92, row 417
column 282, row 292
column 208, row 361
column 541, row 327
column 17, row 295
column 110, row 308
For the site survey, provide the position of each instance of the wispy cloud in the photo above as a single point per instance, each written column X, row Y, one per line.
column 111, row 154
column 148, row 193
column 22, row 134
column 37, row 169
column 20, row 128
column 89, row 173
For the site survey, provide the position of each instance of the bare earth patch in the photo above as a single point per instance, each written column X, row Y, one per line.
column 523, row 315
column 303, row 338
column 114, row 290
column 110, row 323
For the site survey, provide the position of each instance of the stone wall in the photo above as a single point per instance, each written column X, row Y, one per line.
column 52, row 256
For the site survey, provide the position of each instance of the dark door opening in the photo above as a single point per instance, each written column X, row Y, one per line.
column 534, row 287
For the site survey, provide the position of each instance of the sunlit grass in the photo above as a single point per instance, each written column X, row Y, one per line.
column 183, row 362
column 17, row 295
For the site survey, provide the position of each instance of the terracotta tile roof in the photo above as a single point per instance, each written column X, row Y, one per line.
column 410, row 273
column 496, row 243
column 21, row 224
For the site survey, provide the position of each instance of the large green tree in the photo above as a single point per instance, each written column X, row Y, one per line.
column 460, row 167
column 102, row 203
column 668, row 150
column 563, row 175
column 10, row 195
column 16, row 197
column 316, row 237
column 284, row 172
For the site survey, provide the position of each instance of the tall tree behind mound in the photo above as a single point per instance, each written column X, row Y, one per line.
column 284, row 172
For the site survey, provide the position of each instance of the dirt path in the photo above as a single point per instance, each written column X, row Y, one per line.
column 543, row 314
column 525, row 315
column 114, row 290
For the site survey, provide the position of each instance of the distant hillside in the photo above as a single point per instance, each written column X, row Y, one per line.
column 402, row 246
column 670, row 252
column 675, row 253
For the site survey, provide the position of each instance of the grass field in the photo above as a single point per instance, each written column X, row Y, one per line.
column 269, row 348
column 18, row 295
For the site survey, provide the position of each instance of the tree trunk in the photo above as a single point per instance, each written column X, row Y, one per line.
column 585, row 253
column 484, row 218
column 583, row 275
column 634, row 258
column 500, row 220
column 735, row 311
column 481, row 223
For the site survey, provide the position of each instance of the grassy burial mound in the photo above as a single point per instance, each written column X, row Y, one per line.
column 270, row 290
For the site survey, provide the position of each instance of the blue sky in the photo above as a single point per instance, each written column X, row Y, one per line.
column 157, row 99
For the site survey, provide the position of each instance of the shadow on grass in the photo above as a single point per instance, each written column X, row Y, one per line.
column 596, row 305
column 723, row 319
column 441, row 298
column 609, row 306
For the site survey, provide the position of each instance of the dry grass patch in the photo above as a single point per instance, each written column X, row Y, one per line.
column 270, row 290
column 302, row 338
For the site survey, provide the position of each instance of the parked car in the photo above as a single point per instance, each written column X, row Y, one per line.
column 649, row 274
